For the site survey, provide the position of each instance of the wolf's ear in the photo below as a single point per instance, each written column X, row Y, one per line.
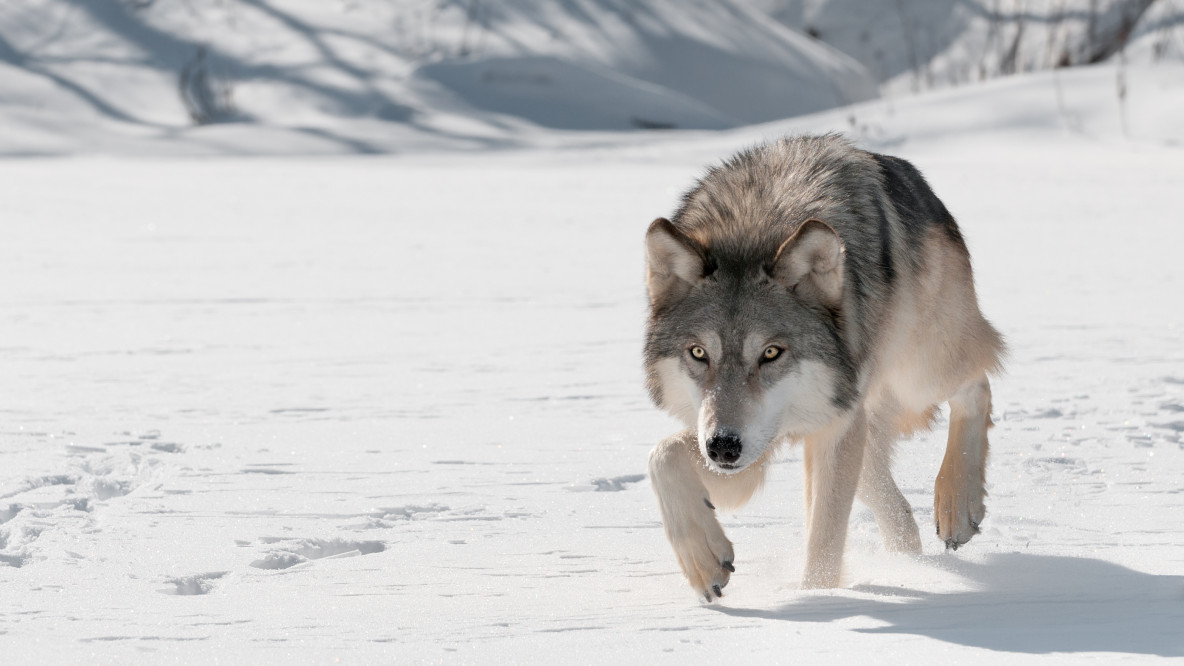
column 674, row 262
column 811, row 263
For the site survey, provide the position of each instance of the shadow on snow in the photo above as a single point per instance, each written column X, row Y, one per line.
column 1020, row 603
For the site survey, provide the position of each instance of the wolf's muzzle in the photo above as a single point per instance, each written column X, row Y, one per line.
column 724, row 448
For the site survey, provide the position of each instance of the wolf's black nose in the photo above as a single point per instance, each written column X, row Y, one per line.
column 724, row 448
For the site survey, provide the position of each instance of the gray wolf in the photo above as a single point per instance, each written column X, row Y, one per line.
column 810, row 291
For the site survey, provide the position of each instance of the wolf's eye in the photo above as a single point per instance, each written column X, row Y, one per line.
column 771, row 353
column 699, row 353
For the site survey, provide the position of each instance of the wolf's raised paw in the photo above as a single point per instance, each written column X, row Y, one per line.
column 958, row 511
column 705, row 558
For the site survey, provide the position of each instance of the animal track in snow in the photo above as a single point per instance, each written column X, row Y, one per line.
column 408, row 512
column 15, row 538
column 193, row 585
column 304, row 550
column 9, row 513
column 66, row 498
column 616, row 483
column 17, row 560
column 41, row 482
column 279, row 561
column 151, row 438
column 387, row 517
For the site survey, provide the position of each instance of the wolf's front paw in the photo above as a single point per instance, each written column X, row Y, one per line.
column 957, row 509
column 704, row 553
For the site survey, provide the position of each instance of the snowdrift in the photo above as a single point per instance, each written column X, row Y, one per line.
column 306, row 76
column 922, row 44
column 88, row 74
column 563, row 95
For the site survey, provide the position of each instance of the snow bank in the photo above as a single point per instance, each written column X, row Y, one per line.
column 923, row 44
column 85, row 75
column 1159, row 35
column 563, row 95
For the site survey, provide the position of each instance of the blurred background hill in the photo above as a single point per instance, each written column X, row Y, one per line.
column 261, row 76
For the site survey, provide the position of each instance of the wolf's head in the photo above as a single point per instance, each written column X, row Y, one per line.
column 748, row 350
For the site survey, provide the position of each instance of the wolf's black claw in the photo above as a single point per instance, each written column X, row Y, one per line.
column 727, row 564
column 709, row 504
column 717, row 592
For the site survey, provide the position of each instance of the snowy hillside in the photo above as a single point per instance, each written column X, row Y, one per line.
column 106, row 75
column 912, row 45
column 1159, row 35
column 391, row 408
column 371, row 76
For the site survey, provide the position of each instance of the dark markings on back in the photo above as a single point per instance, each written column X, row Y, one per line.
column 885, row 245
column 916, row 205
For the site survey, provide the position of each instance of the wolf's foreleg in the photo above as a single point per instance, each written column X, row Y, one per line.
column 687, row 495
column 833, row 458
column 877, row 489
column 959, row 491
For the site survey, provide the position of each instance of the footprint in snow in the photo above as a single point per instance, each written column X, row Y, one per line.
column 304, row 550
column 616, row 483
column 95, row 474
column 192, row 585
column 408, row 512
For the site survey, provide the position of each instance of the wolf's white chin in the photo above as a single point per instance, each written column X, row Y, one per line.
column 726, row 470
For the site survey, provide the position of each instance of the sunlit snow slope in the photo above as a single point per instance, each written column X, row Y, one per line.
column 291, row 76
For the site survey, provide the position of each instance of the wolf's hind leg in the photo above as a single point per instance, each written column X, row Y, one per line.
column 687, row 494
column 833, row 459
column 877, row 489
column 959, row 490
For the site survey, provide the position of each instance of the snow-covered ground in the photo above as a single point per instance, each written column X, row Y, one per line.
column 263, row 410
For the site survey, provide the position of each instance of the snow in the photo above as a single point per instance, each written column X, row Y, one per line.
column 105, row 76
column 555, row 94
column 1159, row 35
column 210, row 77
column 270, row 409
column 924, row 44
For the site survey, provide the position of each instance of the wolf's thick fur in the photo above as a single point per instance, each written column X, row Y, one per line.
column 808, row 290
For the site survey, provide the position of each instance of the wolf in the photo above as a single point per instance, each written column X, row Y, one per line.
column 809, row 291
